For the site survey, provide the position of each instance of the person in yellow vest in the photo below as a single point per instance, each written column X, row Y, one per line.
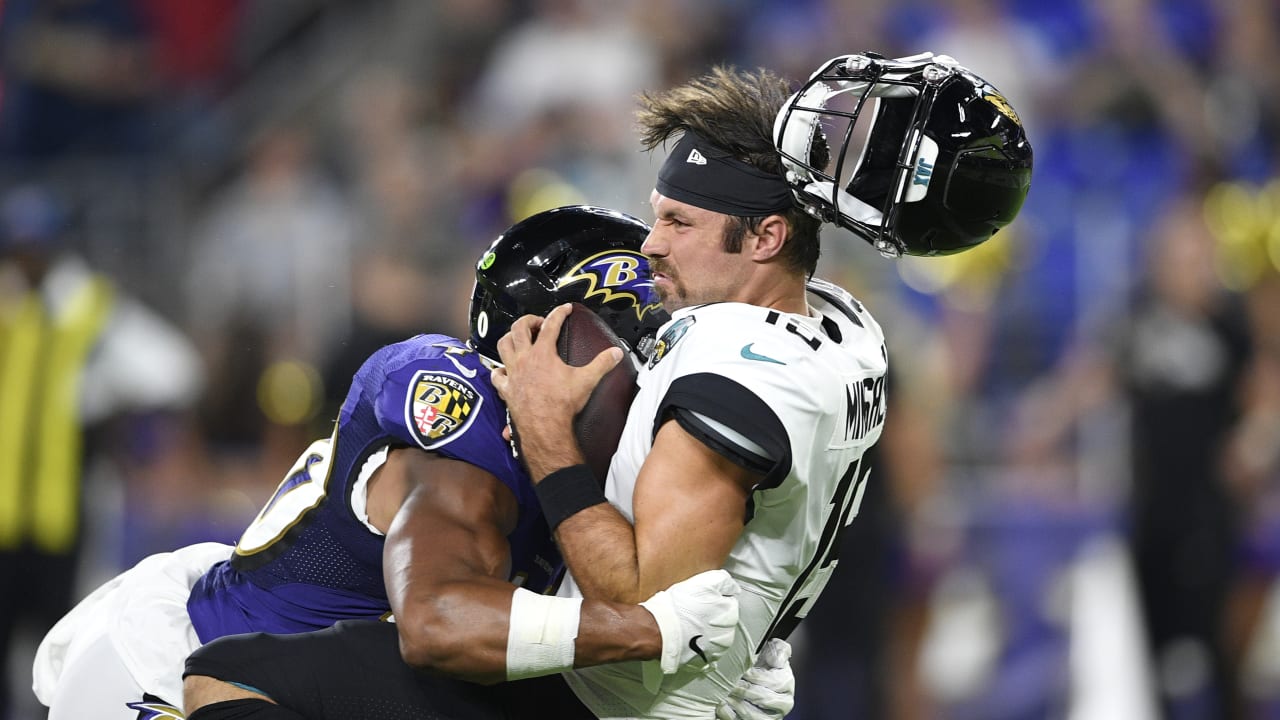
column 75, row 351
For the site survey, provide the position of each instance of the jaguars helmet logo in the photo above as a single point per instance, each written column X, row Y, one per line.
column 439, row 407
column 670, row 338
column 153, row 708
column 990, row 95
column 616, row 275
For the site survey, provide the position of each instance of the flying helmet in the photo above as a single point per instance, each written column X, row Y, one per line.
column 577, row 253
column 944, row 161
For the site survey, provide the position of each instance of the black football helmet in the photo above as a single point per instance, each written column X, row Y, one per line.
column 577, row 253
column 944, row 160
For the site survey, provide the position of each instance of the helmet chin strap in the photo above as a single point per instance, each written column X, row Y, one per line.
column 850, row 206
column 857, row 211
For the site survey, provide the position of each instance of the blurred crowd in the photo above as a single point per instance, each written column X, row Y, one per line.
column 212, row 210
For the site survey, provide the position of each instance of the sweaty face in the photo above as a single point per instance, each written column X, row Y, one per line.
column 687, row 257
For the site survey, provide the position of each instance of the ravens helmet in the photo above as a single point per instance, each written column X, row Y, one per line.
column 577, row 253
column 944, row 160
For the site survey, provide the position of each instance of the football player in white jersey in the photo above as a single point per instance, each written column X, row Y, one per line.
column 744, row 446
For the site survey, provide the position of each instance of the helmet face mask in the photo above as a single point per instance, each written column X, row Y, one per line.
column 577, row 253
column 927, row 158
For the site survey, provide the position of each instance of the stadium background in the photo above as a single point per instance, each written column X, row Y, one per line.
column 292, row 183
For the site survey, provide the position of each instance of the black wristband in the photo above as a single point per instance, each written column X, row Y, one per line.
column 568, row 491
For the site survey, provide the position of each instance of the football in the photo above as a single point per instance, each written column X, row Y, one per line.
column 599, row 426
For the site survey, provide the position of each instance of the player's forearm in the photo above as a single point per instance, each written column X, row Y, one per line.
column 597, row 542
column 458, row 628
column 615, row 632
column 463, row 629
column 549, row 445
column 599, row 547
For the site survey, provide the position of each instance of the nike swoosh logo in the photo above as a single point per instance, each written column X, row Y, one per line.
column 466, row 372
column 748, row 354
column 693, row 645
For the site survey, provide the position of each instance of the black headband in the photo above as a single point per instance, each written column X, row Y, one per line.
column 705, row 176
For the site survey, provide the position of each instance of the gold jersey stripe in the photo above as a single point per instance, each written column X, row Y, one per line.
column 41, row 360
column 21, row 332
column 56, row 502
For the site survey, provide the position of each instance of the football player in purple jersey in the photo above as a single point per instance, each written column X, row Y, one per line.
column 415, row 504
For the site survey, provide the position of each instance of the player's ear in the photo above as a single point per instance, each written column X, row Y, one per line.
column 770, row 235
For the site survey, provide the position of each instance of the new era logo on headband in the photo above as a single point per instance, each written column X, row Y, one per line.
column 704, row 175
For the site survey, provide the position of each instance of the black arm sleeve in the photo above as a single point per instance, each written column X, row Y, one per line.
column 350, row 670
column 733, row 405
column 354, row 670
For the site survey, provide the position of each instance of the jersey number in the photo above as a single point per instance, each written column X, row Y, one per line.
column 814, row 578
column 302, row 489
column 795, row 328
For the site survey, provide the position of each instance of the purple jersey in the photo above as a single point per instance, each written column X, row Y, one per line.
column 310, row 559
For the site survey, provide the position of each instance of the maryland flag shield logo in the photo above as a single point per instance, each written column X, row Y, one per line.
column 439, row 407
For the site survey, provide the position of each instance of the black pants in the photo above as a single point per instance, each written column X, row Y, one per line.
column 37, row 591
column 353, row 670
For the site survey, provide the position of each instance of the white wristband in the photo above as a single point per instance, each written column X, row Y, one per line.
column 540, row 640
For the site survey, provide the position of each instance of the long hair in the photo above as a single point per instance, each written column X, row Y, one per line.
column 735, row 111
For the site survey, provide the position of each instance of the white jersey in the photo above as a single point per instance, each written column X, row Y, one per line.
column 798, row 398
column 129, row 637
